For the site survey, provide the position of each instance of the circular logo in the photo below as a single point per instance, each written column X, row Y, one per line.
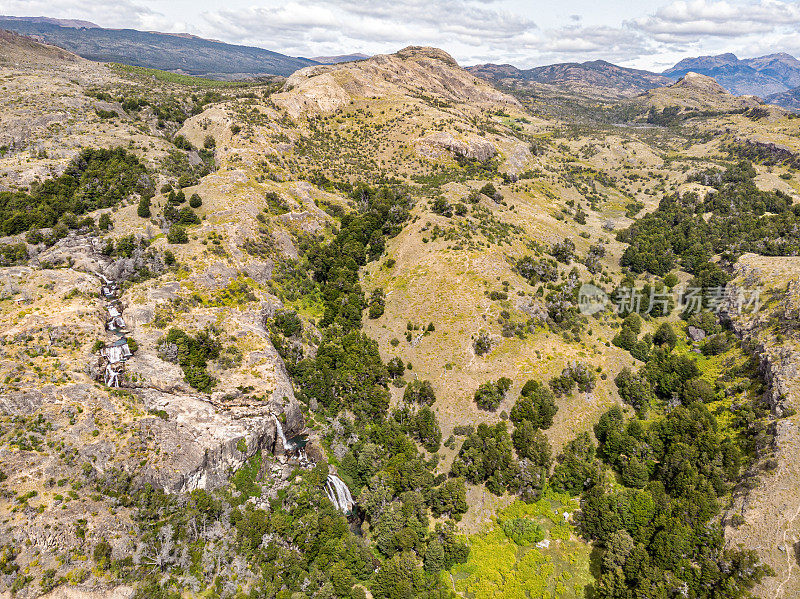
column 591, row 299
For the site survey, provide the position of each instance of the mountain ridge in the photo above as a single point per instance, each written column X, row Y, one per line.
column 165, row 51
column 592, row 78
column 762, row 76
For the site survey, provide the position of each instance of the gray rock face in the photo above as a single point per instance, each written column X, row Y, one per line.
column 695, row 334
column 295, row 422
column 201, row 443
column 436, row 144
column 82, row 592
column 768, row 513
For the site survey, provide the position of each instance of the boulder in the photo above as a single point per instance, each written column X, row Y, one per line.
column 695, row 334
column 295, row 422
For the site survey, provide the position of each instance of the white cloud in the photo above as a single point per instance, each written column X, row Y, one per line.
column 587, row 43
column 686, row 20
column 473, row 31
column 120, row 13
column 325, row 26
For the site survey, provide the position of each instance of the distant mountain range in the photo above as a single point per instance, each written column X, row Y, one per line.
column 340, row 58
column 52, row 21
column 765, row 76
column 596, row 78
column 169, row 52
column 775, row 77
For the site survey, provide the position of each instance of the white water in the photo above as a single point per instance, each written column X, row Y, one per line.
column 287, row 446
column 339, row 494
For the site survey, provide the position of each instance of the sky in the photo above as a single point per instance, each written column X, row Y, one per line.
column 648, row 34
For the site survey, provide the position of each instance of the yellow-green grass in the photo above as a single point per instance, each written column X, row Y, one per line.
column 177, row 77
column 498, row 568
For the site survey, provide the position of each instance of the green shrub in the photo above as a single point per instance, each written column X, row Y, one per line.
column 97, row 178
column 523, row 531
column 177, row 234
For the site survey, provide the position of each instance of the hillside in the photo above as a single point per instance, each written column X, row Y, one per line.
column 338, row 336
column 596, row 78
column 177, row 53
column 789, row 100
column 695, row 92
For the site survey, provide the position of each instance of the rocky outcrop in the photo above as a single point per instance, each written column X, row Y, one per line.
column 413, row 71
column 769, row 153
column 767, row 517
column 201, row 443
column 695, row 334
column 81, row 592
column 82, row 253
column 438, row 144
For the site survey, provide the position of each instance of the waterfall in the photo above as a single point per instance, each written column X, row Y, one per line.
column 339, row 494
column 287, row 446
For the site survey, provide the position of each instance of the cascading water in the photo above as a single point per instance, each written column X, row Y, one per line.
column 339, row 494
column 287, row 445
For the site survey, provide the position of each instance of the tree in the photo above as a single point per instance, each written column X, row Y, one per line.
column 287, row 322
column 482, row 343
column 486, row 456
column 377, row 303
column 143, row 210
column 665, row 336
column 102, row 554
column 577, row 468
column 563, row 251
column 635, row 474
column 634, row 390
column 398, row 578
column 195, row 201
column 342, row 579
column 531, row 444
column 187, row 216
column 105, row 223
column 420, row 392
column 697, row 390
column 449, row 499
column 397, row 368
column 489, row 395
column 426, row 429
column 536, row 404
column 177, row 234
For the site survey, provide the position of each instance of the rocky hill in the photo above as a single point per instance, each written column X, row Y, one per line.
column 696, row 92
column 789, row 100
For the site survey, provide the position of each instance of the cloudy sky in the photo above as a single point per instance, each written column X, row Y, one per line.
column 650, row 34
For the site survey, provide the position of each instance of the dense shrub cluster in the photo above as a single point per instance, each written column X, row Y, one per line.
column 193, row 356
column 489, row 395
column 536, row 404
column 487, row 456
column 361, row 238
column 97, row 178
column 659, row 530
column 688, row 230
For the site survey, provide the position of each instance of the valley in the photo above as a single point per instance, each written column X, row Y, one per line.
column 370, row 279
